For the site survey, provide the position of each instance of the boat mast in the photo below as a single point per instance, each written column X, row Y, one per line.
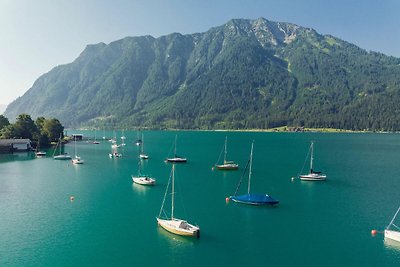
column 394, row 217
column 173, row 189
column 75, row 145
column 312, row 156
column 176, row 136
column 142, row 143
column 251, row 163
column 226, row 139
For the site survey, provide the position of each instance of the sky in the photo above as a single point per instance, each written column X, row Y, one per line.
column 36, row 36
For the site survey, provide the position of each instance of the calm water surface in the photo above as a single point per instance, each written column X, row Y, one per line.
column 112, row 222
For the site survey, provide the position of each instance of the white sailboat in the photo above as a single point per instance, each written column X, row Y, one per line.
column 60, row 156
column 141, row 178
column 312, row 175
column 227, row 164
column 393, row 234
column 176, row 158
column 123, row 138
column 143, row 155
column 95, row 142
column 172, row 224
column 38, row 152
column 77, row 159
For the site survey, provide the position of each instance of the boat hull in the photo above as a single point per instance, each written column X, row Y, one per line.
column 62, row 157
column 77, row 161
column 313, row 177
column 143, row 156
column 176, row 160
column 179, row 227
column 143, row 180
column 392, row 235
column 227, row 167
column 255, row 199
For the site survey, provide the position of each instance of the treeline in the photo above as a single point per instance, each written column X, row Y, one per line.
column 42, row 130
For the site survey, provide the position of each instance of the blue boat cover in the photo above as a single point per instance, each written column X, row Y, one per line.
column 255, row 199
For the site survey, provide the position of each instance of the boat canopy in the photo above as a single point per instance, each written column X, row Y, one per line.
column 255, row 199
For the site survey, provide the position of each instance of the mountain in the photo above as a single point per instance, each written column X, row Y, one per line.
column 2, row 108
column 243, row 74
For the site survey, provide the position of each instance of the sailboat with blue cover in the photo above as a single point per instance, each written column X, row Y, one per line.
column 252, row 198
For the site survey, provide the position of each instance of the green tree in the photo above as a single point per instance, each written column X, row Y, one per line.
column 3, row 122
column 25, row 127
column 8, row 132
column 53, row 129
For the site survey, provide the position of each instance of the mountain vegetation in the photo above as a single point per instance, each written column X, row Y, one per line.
column 241, row 75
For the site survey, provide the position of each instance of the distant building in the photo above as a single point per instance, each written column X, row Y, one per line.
column 15, row 145
column 77, row 137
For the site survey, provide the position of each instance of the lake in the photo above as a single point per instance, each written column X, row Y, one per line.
column 112, row 222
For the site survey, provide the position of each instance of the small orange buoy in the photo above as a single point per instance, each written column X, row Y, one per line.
column 71, row 198
column 227, row 200
column 373, row 232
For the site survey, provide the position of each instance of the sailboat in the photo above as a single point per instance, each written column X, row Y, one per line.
column 227, row 165
column 313, row 175
column 77, row 159
column 252, row 198
column 142, row 155
column 114, row 144
column 172, row 224
column 39, row 153
column 95, row 142
column 176, row 158
column 123, row 137
column 393, row 234
column 141, row 178
column 138, row 141
column 60, row 156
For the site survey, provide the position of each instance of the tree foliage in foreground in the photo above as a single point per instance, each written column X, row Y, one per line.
column 42, row 130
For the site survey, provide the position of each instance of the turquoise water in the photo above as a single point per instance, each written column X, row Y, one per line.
column 112, row 222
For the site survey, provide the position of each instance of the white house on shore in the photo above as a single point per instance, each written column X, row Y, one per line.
column 15, row 145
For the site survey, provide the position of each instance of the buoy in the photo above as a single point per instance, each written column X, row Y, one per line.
column 292, row 179
column 373, row 232
column 227, row 200
column 71, row 198
column 212, row 168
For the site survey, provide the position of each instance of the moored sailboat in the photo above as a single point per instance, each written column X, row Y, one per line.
column 38, row 152
column 143, row 155
column 60, row 156
column 252, row 198
column 141, row 178
column 176, row 158
column 227, row 164
column 172, row 224
column 390, row 233
column 312, row 175
column 77, row 159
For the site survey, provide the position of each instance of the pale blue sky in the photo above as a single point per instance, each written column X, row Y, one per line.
column 37, row 35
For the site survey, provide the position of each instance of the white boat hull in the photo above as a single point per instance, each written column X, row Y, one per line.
column 392, row 235
column 143, row 180
column 179, row 227
column 62, row 157
column 77, row 160
column 313, row 177
column 143, row 156
column 230, row 166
